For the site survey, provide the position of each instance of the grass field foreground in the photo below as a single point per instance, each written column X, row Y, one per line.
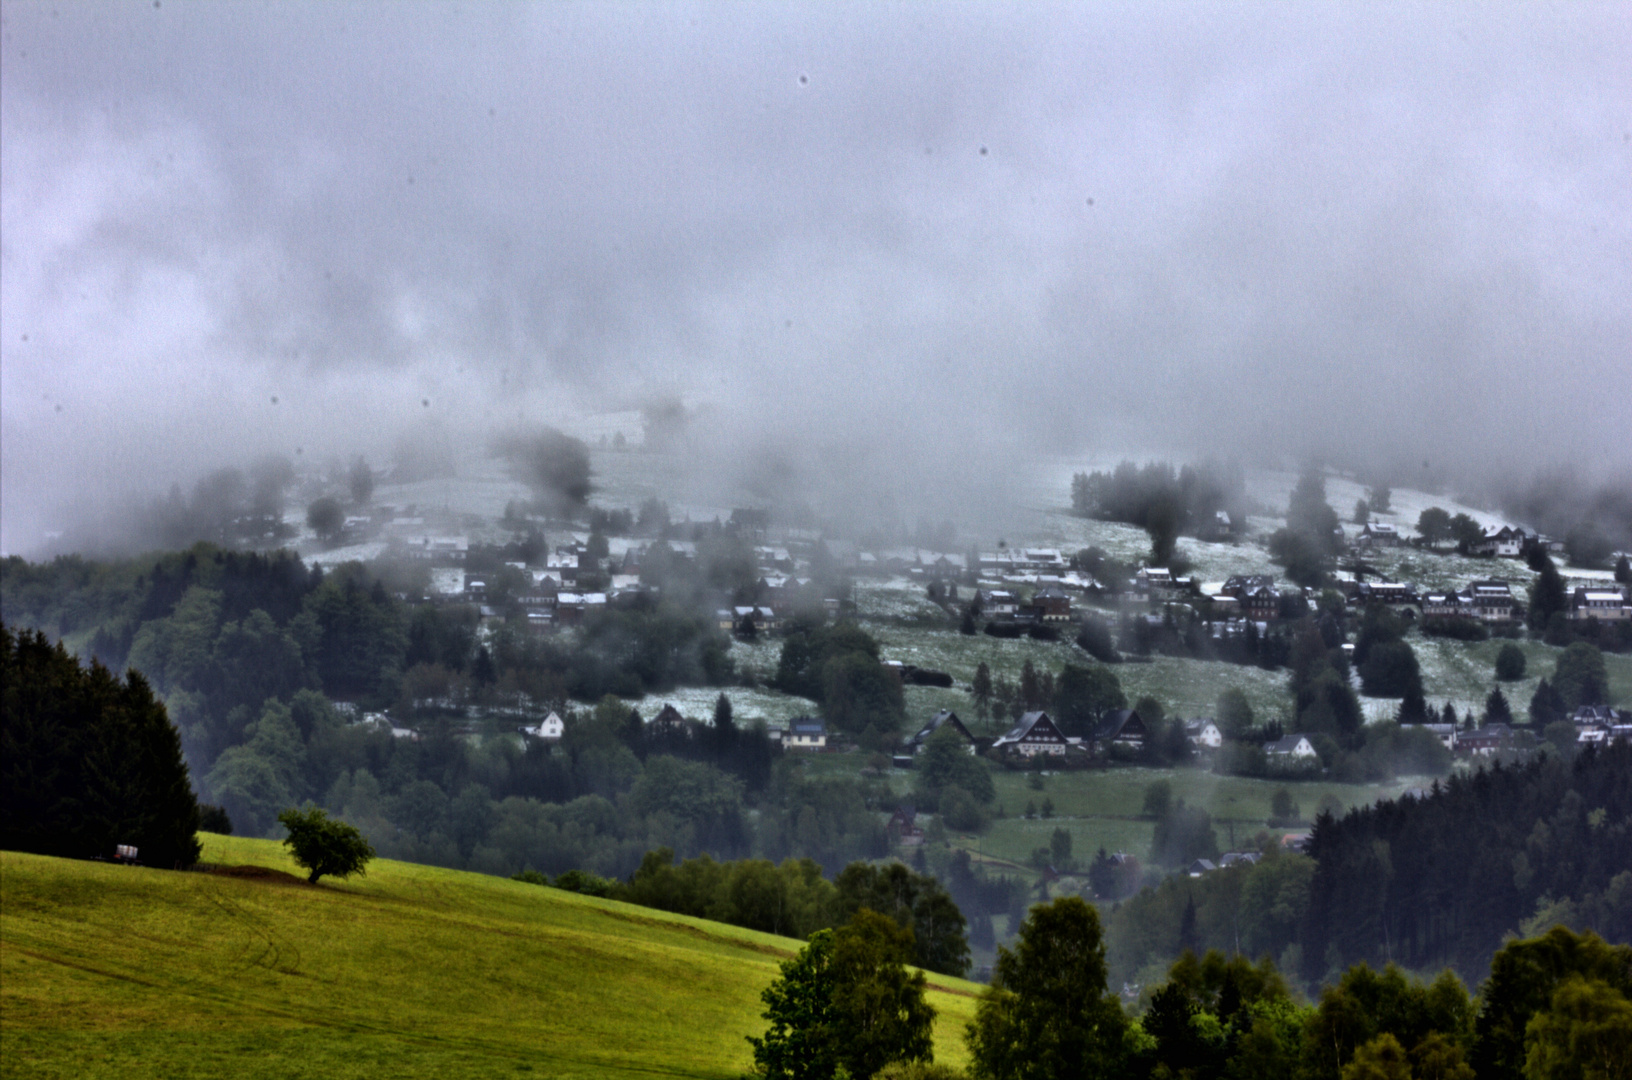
column 110, row 970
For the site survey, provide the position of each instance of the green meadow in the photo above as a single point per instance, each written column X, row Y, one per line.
column 408, row 971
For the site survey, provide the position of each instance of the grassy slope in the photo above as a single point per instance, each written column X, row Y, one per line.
column 411, row 970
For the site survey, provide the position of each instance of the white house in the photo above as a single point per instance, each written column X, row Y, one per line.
column 549, row 729
column 1203, row 733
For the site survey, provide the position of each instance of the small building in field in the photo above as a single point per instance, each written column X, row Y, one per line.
column 550, row 729
column 1203, row 734
column 805, row 733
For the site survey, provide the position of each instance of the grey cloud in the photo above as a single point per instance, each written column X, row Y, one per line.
column 908, row 245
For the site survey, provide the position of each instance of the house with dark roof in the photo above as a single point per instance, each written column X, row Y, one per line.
column 1485, row 741
column 944, row 718
column 903, row 826
column 1123, row 727
column 1290, row 748
column 1034, row 733
column 1053, row 604
column 1378, row 534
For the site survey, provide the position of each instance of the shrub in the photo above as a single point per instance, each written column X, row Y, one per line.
column 1510, row 663
column 213, row 819
column 1459, row 627
column 588, row 884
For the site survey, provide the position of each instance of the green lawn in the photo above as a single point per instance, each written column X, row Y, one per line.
column 1101, row 808
column 410, row 971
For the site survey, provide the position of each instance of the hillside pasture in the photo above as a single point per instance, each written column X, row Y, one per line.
column 410, row 971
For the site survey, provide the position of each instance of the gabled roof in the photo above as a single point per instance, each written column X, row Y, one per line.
column 1025, row 725
column 945, row 716
column 668, row 714
column 1286, row 744
column 1121, row 724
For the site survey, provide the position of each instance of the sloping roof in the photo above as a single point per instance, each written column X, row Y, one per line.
column 1023, row 726
column 1123, row 723
column 1287, row 744
column 945, row 716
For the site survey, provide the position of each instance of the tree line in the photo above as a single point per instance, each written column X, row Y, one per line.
column 1552, row 1007
column 88, row 761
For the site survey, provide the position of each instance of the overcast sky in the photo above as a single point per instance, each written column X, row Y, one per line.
column 903, row 239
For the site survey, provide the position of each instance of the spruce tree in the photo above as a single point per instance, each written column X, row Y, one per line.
column 1545, row 705
column 90, row 761
column 1546, row 595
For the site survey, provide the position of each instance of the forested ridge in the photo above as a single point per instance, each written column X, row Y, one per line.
column 265, row 665
column 1439, row 880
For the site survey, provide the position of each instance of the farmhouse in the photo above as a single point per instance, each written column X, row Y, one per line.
column 1122, row 727
column 945, row 718
column 1378, row 534
column 1053, row 604
column 1203, row 734
column 1445, row 733
column 548, row 729
column 1035, row 733
column 1506, row 542
column 668, row 721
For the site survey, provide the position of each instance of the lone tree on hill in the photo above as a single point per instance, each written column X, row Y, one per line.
column 554, row 465
column 323, row 845
column 326, row 518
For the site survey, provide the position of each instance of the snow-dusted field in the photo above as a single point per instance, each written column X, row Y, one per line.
column 747, row 706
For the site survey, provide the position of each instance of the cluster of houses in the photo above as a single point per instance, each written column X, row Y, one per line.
column 1503, row 542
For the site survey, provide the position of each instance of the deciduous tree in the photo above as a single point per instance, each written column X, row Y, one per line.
column 1046, row 1013
column 325, row 845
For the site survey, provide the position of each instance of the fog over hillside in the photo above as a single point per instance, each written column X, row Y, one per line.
column 883, row 255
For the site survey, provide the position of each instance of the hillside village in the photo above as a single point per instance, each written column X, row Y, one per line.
column 1036, row 592
column 483, row 684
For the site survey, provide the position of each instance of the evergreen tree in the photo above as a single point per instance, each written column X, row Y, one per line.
column 1546, row 595
column 1510, row 662
column 1497, row 710
column 725, row 726
column 981, row 689
column 89, row 761
column 1546, row 706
